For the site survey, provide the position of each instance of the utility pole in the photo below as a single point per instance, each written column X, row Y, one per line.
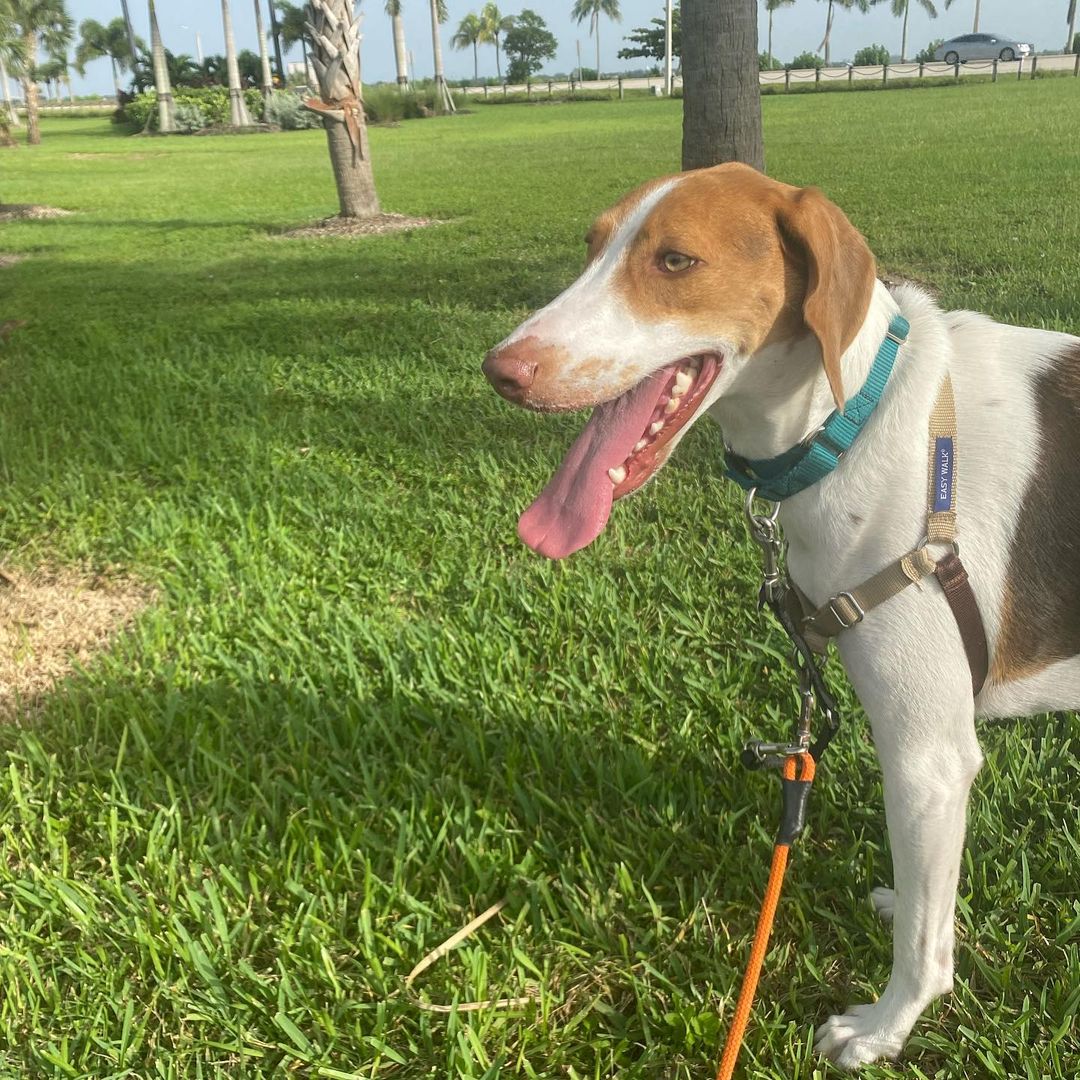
column 667, row 49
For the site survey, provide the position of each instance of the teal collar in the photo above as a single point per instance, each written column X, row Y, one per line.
column 818, row 454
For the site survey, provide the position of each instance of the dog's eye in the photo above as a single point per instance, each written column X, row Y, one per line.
column 674, row 262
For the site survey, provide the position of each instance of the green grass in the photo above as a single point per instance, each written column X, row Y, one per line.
column 361, row 711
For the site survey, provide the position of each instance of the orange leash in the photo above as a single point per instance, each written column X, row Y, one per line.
column 798, row 774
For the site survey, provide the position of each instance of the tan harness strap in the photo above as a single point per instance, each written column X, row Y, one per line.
column 844, row 610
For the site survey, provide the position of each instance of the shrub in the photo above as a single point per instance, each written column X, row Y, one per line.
column 386, row 104
column 188, row 117
column 765, row 62
column 211, row 101
column 926, row 56
column 807, row 60
column 871, row 55
column 287, row 111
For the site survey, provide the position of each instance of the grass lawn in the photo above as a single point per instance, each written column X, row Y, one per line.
column 360, row 711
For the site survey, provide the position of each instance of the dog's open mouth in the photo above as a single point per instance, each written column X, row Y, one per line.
column 624, row 443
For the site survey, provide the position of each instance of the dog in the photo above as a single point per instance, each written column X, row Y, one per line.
column 724, row 292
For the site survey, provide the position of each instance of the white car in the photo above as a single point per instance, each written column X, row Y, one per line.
column 981, row 47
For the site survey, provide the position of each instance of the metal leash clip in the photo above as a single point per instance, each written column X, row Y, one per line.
column 765, row 532
column 758, row 754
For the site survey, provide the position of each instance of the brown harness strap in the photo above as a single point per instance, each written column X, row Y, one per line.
column 965, row 608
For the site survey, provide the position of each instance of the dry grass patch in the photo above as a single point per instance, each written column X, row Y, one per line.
column 9, row 260
column 372, row 226
column 29, row 212
column 53, row 619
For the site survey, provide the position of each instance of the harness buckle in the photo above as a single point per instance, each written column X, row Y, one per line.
column 846, row 623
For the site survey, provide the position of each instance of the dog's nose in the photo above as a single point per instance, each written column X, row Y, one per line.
column 511, row 370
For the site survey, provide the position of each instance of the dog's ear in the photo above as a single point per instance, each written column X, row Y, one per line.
column 839, row 272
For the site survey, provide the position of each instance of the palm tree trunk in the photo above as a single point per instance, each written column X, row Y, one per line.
column 238, row 114
column 71, row 94
column 115, row 76
column 596, row 28
column 770, row 37
column 1071, row 16
column 975, row 24
column 721, row 94
column 475, row 63
column 336, row 59
column 401, row 61
column 828, row 33
column 443, row 101
column 12, row 112
column 903, row 38
column 264, row 53
column 30, row 91
column 130, row 31
column 498, row 65
column 307, row 62
column 161, row 76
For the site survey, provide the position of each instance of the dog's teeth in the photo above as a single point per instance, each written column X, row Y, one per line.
column 640, row 445
column 682, row 383
column 617, row 476
column 654, row 429
column 672, row 405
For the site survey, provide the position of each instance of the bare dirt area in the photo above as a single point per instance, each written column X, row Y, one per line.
column 29, row 212
column 52, row 619
column 372, row 226
column 9, row 260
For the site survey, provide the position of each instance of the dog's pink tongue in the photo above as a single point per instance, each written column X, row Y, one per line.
column 571, row 512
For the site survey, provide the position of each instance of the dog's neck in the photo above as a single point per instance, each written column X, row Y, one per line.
column 782, row 395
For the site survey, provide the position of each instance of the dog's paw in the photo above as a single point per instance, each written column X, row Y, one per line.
column 858, row 1038
column 884, row 901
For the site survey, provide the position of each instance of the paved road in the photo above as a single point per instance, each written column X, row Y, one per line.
column 1005, row 70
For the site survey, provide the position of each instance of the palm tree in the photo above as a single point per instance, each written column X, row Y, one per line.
column 181, row 68
column 1070, row 18
column 11, row 51
column 37, row 24
column 96, row 40
column 443, row 98
column 238, row 114
column 901, row 9
column 770, row 7
column 393, row 9
column 495, row 23
column 162, row 86
column 592, row 10
column 293, row 25
column 847, row 5
column 267, row 82
column 335, row 55
column 469, row 32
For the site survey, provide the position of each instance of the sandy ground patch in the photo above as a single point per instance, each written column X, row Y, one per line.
column 52, row 619
column 9, row 260
column 373, row 226
column 29, row 212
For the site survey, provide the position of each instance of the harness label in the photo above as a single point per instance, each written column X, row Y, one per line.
column 943, row 472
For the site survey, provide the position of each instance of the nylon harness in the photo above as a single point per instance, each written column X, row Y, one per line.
column 815, row 457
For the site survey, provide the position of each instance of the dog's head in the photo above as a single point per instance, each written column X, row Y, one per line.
column 687, row 278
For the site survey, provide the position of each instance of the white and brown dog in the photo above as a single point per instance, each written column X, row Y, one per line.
column 725, row 292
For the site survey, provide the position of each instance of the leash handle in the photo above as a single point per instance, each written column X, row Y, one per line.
column 798, row 776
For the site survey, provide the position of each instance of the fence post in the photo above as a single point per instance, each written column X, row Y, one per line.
column 1076, row 64
column 1020, row 69
column 884, row 74
column 850, row 74
column 993, row 74
column 956, row 70
column 620, row 88
column 787, row 79
column 817, row 75
column 504, row 90
column 922, row 65
column 549, row 88
column 528, row 89
column 1034, row 63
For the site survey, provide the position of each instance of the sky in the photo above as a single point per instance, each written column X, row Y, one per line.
column 795, row 29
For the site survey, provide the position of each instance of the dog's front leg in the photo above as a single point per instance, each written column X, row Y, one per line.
column 924, row 732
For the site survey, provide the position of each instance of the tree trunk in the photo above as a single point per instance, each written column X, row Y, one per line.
column 443, row 101
column 275, row 33
column 498, row 64
column 336, row 58
column 13, row 113
column 596, row 27
column 827, row 42
column 130, row 31
column 115, row 77
column 166, row 122
column 307, row 61
column 264, row 53
column 903, row 37
column 1071, row 15
column 721, row 92
column 238, row 114
column 475, row 63
column 975, row 24
column 667, row 47
column 400, row 59
column 770, row 37
column 357, row 197
column 30, row 91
